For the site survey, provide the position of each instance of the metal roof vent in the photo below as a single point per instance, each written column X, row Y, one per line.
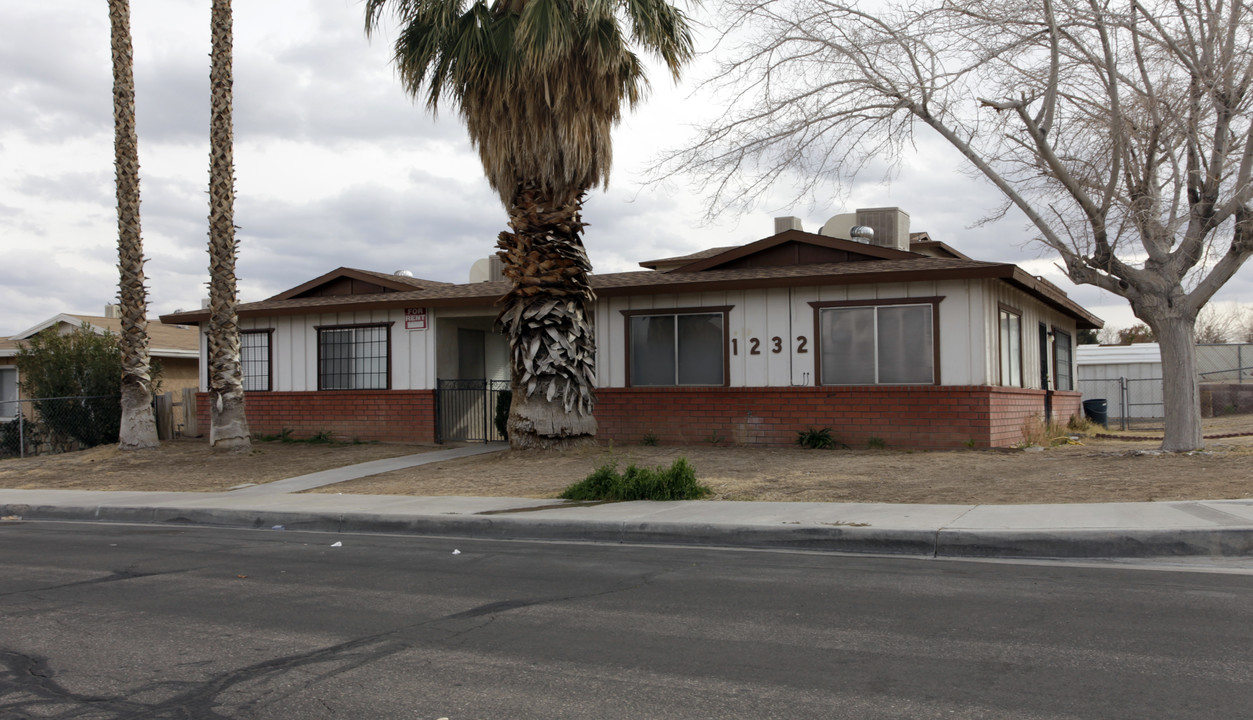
column 403, row 273
column 862, row 233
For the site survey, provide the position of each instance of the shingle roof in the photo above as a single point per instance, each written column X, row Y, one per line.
column 645, row 281
column 163, row 340
column 161, row 337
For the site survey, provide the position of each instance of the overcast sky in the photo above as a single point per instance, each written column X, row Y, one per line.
column 335, row 166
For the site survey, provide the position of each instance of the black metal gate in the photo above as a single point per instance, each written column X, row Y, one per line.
column 465, row 410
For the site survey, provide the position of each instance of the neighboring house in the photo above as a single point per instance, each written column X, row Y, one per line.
column 895, row 337
column 176, row 347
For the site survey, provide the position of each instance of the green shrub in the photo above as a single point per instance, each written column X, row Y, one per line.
column 876, row 443
column 77, row 378
column 815, row 438
column 504, row 400
column 650, row 439
column 677, row 482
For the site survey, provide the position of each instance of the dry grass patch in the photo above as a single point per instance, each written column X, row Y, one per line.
column 186, row 466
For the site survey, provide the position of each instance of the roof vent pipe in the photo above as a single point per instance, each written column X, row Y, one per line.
column 403, row 273
column 862, row 234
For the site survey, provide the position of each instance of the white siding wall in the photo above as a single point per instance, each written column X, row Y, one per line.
column 1033, row 313
column 295, row 351
column 967, row 317
column 786, row 314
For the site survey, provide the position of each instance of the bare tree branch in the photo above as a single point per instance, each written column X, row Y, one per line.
column 1123, row 131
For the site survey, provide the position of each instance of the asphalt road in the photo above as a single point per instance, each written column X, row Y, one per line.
column 167, row 622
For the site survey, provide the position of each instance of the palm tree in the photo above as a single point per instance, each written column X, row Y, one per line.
column 228, row 425
column 539, row 84
column 138, row 430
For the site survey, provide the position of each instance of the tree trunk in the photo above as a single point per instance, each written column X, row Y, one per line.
column 547, row 317
column 138, row 429
column 228, row 424
column 1181, row 396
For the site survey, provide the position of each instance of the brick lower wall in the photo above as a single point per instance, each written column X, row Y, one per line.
column 911, row 417
column 914, row 417
column 382, row 415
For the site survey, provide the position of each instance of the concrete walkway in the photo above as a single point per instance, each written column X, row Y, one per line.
column 1222, row 528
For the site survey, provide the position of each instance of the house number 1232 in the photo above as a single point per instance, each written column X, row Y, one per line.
column 776, row 345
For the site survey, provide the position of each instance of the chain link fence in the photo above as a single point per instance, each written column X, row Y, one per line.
column 54, row 425
column 1132, row 403
column 1225, row 374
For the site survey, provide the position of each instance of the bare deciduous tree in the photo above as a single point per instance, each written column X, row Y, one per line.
column 1218, row 324
column 1121, row 130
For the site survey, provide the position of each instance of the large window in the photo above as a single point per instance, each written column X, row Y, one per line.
column 8, row 393
column 354, row 357
column 1011, row 347
column 682, row 347
column 1062, row 355
column 888, row 344
column 254, row 353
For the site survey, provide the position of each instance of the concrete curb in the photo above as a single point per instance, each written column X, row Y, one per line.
column 942, row 542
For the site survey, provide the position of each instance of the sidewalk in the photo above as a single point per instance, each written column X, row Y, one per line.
column 1221, row 528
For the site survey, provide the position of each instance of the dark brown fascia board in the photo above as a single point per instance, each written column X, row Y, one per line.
column 943, row 246
column 794, row 236
column 376, row 278
column 690, row 257
column 984, row 271
column 345, row 303
column 1052, row 295
column 1000, row 271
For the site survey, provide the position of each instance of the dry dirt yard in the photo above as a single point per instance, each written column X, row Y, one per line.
column 1097, row 470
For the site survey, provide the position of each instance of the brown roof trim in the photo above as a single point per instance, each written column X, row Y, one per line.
column 485, row 295
column 786, row 236
column 945, row 247
column 397, row 283
column 710, row 252
column 1056, row 297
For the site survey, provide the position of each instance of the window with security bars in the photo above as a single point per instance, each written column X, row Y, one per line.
column 354, row 358
column 254, row 356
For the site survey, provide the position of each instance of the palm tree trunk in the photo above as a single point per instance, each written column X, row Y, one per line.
column 138, row 430
column 547, row 317
column 228, row 425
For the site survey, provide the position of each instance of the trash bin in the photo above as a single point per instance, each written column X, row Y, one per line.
column 1097, row 410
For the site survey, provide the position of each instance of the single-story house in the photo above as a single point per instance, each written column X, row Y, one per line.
column 176, row 347
column 862, row 327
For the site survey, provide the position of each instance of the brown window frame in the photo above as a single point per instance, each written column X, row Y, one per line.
column 318, row 330
column 1000, row 350
column 933, row 301
column 725, row 310
column 1070, row 368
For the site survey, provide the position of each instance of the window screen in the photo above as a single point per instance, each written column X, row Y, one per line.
column 679, row 349
column 254, row 354
column 879, row 345
column 353, row 358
